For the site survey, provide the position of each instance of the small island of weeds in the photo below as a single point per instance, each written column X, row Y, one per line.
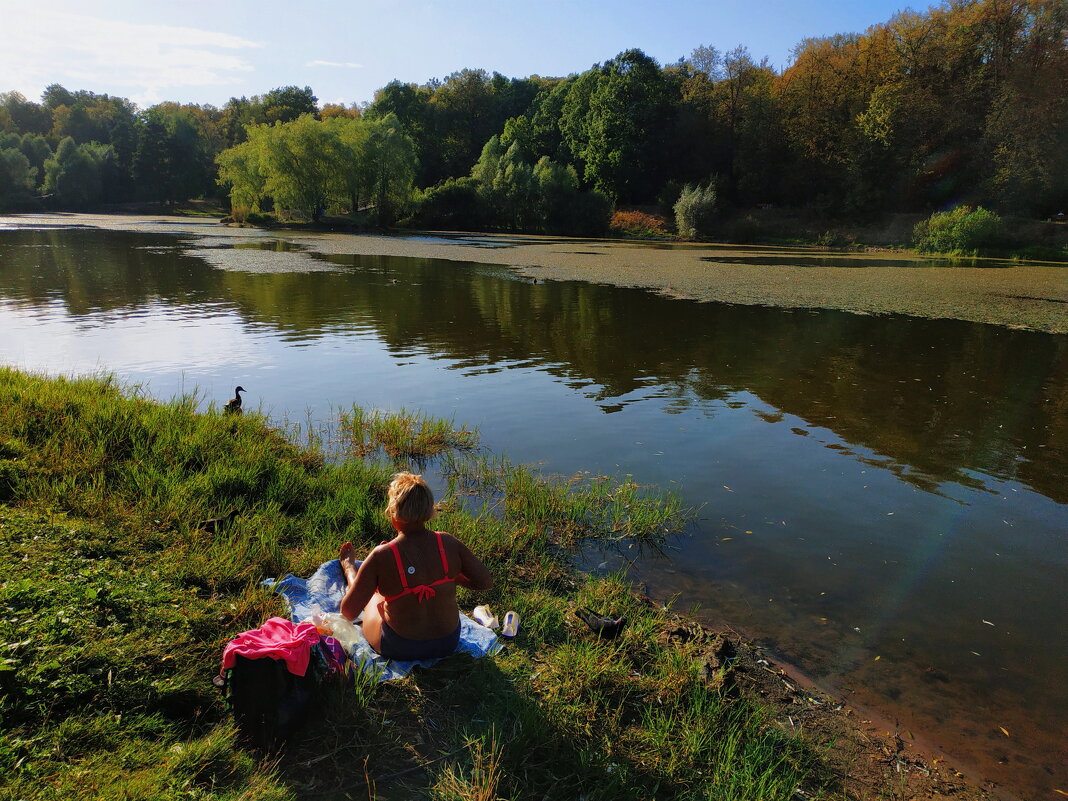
column 136, row 535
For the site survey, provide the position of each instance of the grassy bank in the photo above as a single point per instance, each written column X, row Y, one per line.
column 136, row 534
column 1020, row 238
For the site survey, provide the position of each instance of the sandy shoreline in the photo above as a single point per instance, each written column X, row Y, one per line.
column 1027, row 295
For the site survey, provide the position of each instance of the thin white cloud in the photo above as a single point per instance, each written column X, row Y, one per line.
column 42, row 47
column 348, row 64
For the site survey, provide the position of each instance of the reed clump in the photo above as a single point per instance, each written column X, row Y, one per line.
column 401, row 435
column 136, row 534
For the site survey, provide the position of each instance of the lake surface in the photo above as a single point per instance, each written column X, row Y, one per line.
column 883, row 499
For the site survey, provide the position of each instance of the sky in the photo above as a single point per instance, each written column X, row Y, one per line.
column 194, row 51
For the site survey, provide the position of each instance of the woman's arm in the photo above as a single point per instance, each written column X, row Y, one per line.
column 473, row 574
column 362, row 589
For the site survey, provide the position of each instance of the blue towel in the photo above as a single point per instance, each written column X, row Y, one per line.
column 322, row 592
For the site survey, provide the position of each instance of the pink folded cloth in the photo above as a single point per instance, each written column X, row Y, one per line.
column 278, row 638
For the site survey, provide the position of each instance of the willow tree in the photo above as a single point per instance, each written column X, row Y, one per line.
column 389, row 166
column 300, row 163
column 242, row 169
column 308, row 165
column 293, row 163
column 350, row 146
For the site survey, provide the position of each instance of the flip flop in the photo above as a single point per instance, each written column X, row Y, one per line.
column 511, row 624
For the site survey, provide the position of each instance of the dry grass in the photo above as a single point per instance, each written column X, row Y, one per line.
column 639, row 224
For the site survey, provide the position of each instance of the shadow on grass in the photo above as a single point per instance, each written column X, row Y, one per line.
column 476, row 729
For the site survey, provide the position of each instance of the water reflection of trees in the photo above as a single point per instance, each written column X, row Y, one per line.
column 938, row 398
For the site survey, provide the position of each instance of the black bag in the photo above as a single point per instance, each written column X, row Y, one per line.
column 268, row 702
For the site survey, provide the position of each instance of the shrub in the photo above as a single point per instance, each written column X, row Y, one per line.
column 695, row 211
column 638, row 223
column 456, row 203
column 961, row 230
column 586, row 214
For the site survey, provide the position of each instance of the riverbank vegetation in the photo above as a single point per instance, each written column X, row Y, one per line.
column 963, row 104
column 136, row 535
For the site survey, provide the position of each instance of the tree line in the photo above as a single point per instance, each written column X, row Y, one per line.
column 966, row 102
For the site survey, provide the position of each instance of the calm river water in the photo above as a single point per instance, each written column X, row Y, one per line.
column 883, row 500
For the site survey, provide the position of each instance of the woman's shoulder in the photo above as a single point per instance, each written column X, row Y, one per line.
column 379, row 550
column 447, row 538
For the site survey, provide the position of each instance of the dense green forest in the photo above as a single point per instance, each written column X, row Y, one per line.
column 965, row 103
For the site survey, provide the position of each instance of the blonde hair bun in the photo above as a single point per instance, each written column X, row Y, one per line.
column 410, row 499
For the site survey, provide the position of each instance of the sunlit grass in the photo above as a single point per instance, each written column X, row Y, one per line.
column 569, row 509
column 401, row 435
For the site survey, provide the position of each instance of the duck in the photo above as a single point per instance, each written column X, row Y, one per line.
column 607, row 628
column 233, row 406
column 213, row 525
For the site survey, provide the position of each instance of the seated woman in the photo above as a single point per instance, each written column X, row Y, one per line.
column 406, row 588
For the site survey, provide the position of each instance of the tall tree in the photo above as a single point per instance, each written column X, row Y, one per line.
column 411, row 106
column 287, row 103
column 300, row 163
column 627, row 122
column 36, row 150
column 74, row 173
column 152, row 167
column 28, row 117
column 17, row 178
column 350, row 135
column 390, row 168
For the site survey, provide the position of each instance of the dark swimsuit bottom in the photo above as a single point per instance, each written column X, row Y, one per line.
column 394, row 646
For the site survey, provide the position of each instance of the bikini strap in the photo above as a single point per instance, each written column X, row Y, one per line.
column 444, row 561
column 400, row 565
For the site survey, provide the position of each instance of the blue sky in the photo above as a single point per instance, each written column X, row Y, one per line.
column 207, row 52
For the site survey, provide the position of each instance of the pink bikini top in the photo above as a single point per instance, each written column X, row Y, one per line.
column 420, row 591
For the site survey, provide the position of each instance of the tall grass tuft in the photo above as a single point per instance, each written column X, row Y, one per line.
column 480, row 779
column 569, row 509
column 401, row 435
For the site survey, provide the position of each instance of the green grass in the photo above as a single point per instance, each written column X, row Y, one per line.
column 116, row 599
column 566, row 510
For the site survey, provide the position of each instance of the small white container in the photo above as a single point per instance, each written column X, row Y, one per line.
column 510, row 627
column 484, row 616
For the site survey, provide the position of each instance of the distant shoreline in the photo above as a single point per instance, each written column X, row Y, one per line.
column 1020, row 295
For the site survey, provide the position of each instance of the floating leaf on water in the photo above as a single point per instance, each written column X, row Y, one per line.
column 726, row 539
column 1060, row 792
column 1004, row 731
column 976, row 653
column 877, row 658
column 748, row 532
column 988, row 623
